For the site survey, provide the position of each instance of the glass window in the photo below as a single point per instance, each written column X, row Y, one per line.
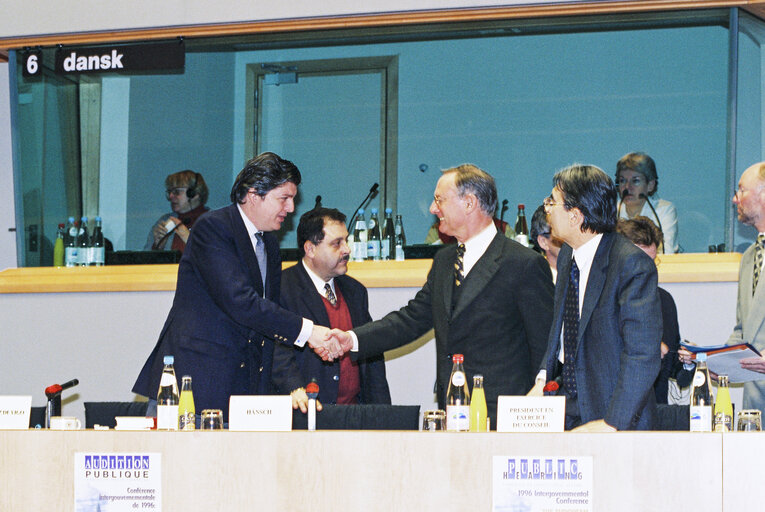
column 394, row 105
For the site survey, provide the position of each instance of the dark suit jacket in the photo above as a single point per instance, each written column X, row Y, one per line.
column 294, row 367
column 220, row 329
column 500, row 320
column 618, row 345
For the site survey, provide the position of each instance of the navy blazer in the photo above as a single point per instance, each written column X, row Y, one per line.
column 221, row 329
column 294, row 367
column 499, row 321
column 618, row 343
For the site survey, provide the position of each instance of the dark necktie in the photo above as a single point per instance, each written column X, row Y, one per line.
column 570, row 329
column 260, row 254
column 329, row 294
column 459, row 265
column 758, row 248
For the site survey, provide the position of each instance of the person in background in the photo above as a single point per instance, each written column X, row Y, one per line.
column 637, row 181
column 319, row 289
column 488, row 297
column 543, row 241
column 642, row 232
column 226, row 316
column 187, row 193
column 603, row 346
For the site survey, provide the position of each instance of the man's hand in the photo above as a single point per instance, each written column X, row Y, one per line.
column 344, row 339
column 325, row 346
column 756, row 364
column 664, row 349
column 595, row 426
column 537, row 390
column 685, row 356
column 300, row 399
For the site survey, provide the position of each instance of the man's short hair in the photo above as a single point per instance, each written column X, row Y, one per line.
column 472, row 179
column 311, row 225
column 591, row 191
column 193, row 182
column 640, row 230
column 641, row 163
column 264, row 173
column 539, row 226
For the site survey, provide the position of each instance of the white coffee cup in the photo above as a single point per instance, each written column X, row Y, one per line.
column 65, row 423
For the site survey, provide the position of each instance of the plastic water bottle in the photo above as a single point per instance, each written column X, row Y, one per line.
column 71, row 258
column 388, row 245
column 360, row 238
column 373, row 236
column 701, row 397
column 58, row 247
column 167, row 397
column 521, row 228
column 83, row 244
column 187, row 417
column 400, row 238
column 98, row 249
column 458, row 398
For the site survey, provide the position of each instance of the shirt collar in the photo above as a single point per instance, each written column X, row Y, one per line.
column 480, row 242
column 251, row 228
column 317, row 281
column 586, row 253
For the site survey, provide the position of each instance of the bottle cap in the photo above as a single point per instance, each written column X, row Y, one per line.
column 458, row 358
column 84, row 219
column 374, row 211
column 185, row 378
column 361, row 211
column 98, row 219
column 722, row 380
column 61, row 225
column 701, row 356
column 169, row 359
column 522, row 206
column 389, row 210
column 71, row 219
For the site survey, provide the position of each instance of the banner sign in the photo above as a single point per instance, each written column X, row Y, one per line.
column 118, row 58
column 535, row 483
column 115, row 482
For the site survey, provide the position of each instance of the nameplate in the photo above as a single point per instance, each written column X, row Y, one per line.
column 271, row 413
column 14, row 412
column 531, row 413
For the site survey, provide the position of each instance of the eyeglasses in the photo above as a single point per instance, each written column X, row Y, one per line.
column 549, row 202
column 635, row 181
column 175, row 191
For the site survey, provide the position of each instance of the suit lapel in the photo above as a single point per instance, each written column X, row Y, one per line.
column 479, row 276
column 595, row 282
column 244, row 246
column 753, row 305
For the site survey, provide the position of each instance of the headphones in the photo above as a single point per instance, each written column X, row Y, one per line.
column 191, row 191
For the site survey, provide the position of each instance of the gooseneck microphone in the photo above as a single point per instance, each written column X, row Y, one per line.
column 318, row 202
column 53, row 393
column 56, row 389
column 371, row 195
column 624, row 193
column 502, row 210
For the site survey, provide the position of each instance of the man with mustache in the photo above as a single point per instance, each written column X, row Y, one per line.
column 317, row 288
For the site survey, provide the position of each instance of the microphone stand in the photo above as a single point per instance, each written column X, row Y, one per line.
column 502, row 211
column 372, row 193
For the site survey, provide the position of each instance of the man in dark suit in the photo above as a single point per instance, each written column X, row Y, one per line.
column 488, row 298
column 317, row 288
column 604, row 342
column 225, row 316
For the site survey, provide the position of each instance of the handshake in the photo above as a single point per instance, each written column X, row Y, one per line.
column 330, row 344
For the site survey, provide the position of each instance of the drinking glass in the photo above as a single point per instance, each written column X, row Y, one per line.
column 749, row 420
column 212, row 419
column 433, row 420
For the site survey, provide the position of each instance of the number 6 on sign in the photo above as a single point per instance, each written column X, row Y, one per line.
column 31, row 62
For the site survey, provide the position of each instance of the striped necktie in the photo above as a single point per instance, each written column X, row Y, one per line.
column 329, row 294
column 758, row 248
column 459, row 274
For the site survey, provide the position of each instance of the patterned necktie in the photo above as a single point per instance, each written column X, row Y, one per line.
column 570, row 329
column 329, row 294
column 459, row 265
column 758, row 248
column 260, row 254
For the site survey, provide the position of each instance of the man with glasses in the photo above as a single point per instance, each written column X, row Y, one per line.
column 187, row 193
column 226, row 316
column 603, row 347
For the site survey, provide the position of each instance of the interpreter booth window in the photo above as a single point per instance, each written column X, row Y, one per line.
column 394, row 106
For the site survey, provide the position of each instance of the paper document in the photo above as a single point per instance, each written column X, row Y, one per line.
column 724, row 360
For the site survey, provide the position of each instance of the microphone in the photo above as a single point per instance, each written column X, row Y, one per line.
column 624, row 193
column 318, row 202
column 371, row 195
column 502, row 210
column 658, row 222
column 159, row 242
column 56, row 389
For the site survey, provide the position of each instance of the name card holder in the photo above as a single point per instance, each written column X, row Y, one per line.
column 531, row 413
column 14, row 412
column 268, row 413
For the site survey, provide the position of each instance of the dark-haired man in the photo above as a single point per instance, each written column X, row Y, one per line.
column 543, row 240
column 604, row 342
column 225, row 316
column 488, row 297
column 317, row 288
